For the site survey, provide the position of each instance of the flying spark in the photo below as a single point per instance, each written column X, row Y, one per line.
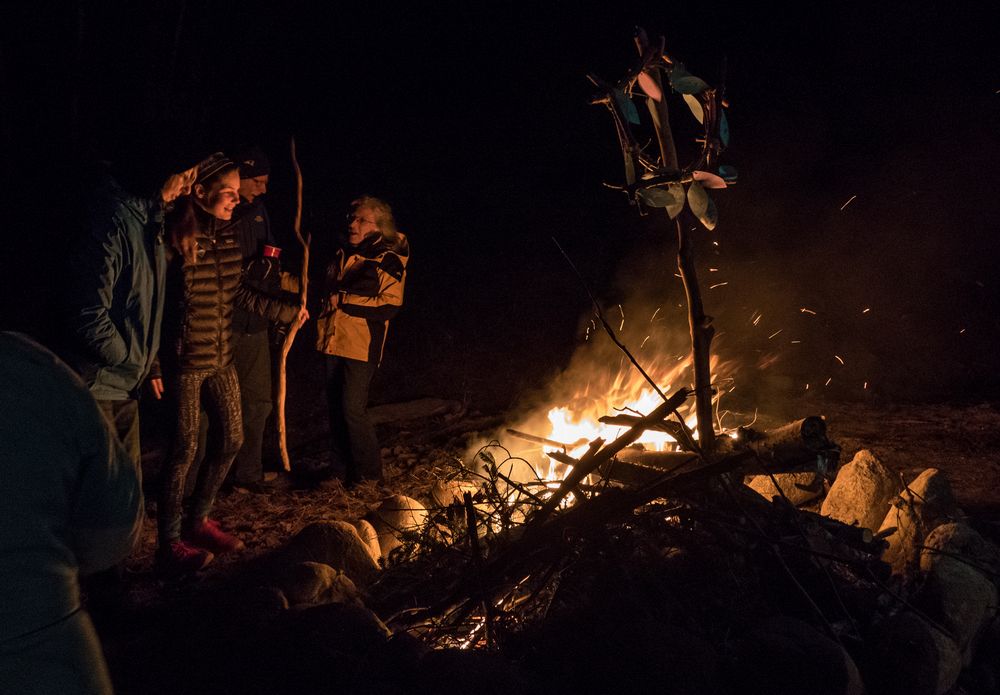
column 839, row 358
column 643, row 342
column 807, row 311
column 848, row 202
column 961, row 331
column 828, row 381
column 654, row 314
column 866, row 310
column 718, row 284
column 757, row 319
column 775, row 333
column 796, row 342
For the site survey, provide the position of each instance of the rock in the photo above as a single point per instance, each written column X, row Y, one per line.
column 397, row 515
column 259, row 606
column 330, row 648
column 315, row 583
column 799, row 488
column 368, row 534
column 268, row 598
column 958, row 538
column 986, row 665
column 333, row 543
column 606, row 631
column 787, row 656
column 955, row 594
column 448, row 492
column 907, row 656
column 862, row 493
column 468, row 671
column 924, row 504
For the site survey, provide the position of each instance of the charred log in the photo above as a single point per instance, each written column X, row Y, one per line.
column 798, row 443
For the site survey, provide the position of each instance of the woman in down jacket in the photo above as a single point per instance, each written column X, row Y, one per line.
column 196, row 353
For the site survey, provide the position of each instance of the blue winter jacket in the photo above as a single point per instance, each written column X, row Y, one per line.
column 117, row 292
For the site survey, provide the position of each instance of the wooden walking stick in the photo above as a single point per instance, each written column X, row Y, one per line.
column 286, row 346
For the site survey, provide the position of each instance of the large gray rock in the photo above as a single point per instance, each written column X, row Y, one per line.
column 785, row 656
column 862, row 493
column 313, row 583
column 333, row 543
column 907, row 656
column 986, row 667
column 448, row 492
column 369, row 535
column 471, row 671
column 394, row 517
column 799, row 488
column 958, row 538
column 329, row 648
column 956, row 594
column 921, row 507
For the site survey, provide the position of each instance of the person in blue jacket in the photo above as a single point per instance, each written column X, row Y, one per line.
column 114, row 305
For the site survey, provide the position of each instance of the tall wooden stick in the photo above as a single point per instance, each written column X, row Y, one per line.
column 702, row 332
column 286, row 346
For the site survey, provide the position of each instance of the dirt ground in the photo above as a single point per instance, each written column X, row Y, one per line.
column 961, row 440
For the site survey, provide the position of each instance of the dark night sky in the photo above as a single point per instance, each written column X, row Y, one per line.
column 472, row 118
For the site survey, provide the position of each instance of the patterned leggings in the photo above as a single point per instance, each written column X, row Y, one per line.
column 222, row 402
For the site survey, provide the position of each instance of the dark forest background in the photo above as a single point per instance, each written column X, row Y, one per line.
column 473, row 120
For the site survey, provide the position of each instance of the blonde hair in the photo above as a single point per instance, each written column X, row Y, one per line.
column 384, row 220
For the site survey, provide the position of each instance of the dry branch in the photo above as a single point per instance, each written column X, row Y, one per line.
column 286, row 346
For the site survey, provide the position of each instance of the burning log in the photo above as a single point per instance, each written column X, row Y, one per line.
column 783, row 449
column 629, row 472
column 596, row 457
column 542, row 440
column 674, row 429
column 795, row 444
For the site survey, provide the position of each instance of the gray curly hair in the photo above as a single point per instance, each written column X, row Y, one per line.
column 383, row 214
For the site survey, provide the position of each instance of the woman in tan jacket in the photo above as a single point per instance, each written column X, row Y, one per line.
column 364, row 290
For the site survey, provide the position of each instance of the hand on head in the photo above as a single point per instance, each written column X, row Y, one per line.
column 178, row 184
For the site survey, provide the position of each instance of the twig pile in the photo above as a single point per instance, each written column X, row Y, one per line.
column 497, row 564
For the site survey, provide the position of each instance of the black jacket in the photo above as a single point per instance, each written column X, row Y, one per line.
column 198, row 316
column 253, row 232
